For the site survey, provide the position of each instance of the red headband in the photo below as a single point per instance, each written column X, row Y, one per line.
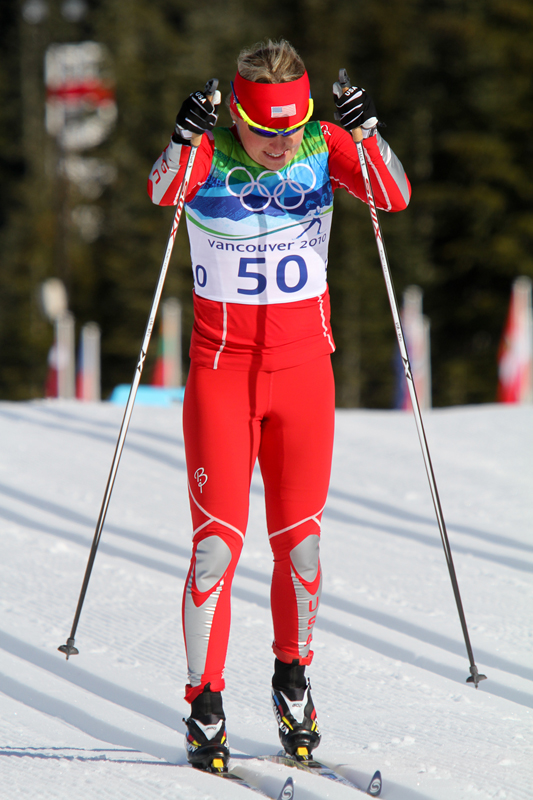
column 273, row 105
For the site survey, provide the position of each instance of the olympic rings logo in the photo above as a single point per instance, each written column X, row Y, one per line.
column 263, row 191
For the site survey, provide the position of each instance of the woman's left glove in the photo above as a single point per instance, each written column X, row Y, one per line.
column 355, row 109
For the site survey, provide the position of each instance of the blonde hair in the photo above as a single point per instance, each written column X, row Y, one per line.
column 270, row 62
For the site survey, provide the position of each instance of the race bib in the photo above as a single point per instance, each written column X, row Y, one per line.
column 277, row 268
column 261, row 236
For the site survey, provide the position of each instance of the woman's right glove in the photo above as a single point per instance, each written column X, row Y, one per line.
column 197, row 115
column 355, row 109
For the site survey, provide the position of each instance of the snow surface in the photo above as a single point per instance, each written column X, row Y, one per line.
column 390, row 663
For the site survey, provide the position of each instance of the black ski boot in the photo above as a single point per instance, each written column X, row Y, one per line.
column 205, row 741
column 294, row 710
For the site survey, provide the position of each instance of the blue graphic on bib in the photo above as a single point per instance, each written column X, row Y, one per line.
column 241, row 199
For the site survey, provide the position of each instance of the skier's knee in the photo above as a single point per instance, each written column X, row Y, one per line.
column 212, row 558
column 305, row 558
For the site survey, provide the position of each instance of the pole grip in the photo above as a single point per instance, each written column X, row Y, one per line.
column 212, row 94
column 342, row 86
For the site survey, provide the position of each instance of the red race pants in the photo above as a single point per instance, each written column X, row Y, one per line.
column 286, row 420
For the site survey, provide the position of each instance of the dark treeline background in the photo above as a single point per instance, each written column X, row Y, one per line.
column 452, row 79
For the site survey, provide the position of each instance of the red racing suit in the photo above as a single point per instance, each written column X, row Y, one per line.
column 260, row 385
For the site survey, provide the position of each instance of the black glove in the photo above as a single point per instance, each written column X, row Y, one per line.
column 355, row 108
column 197, row 115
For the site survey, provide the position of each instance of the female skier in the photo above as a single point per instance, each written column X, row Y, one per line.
column 260, row 385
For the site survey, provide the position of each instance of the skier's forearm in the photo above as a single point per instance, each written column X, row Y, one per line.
column 390, row 183
column 167, row 173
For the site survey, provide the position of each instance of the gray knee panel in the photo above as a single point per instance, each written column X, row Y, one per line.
column 305, row 557
column 213, row 557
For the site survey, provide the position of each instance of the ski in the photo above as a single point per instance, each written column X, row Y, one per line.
column 287, row 792
column 317, row 768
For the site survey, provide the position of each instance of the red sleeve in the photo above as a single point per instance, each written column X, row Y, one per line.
column 390, row 184
column 166, row 175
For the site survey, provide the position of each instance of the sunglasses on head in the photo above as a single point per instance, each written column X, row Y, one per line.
column 270, row 133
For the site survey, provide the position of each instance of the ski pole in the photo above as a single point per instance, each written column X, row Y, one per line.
column 357, row 136
column 69, row 649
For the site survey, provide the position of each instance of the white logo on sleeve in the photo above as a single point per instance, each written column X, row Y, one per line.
column 201, row 478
